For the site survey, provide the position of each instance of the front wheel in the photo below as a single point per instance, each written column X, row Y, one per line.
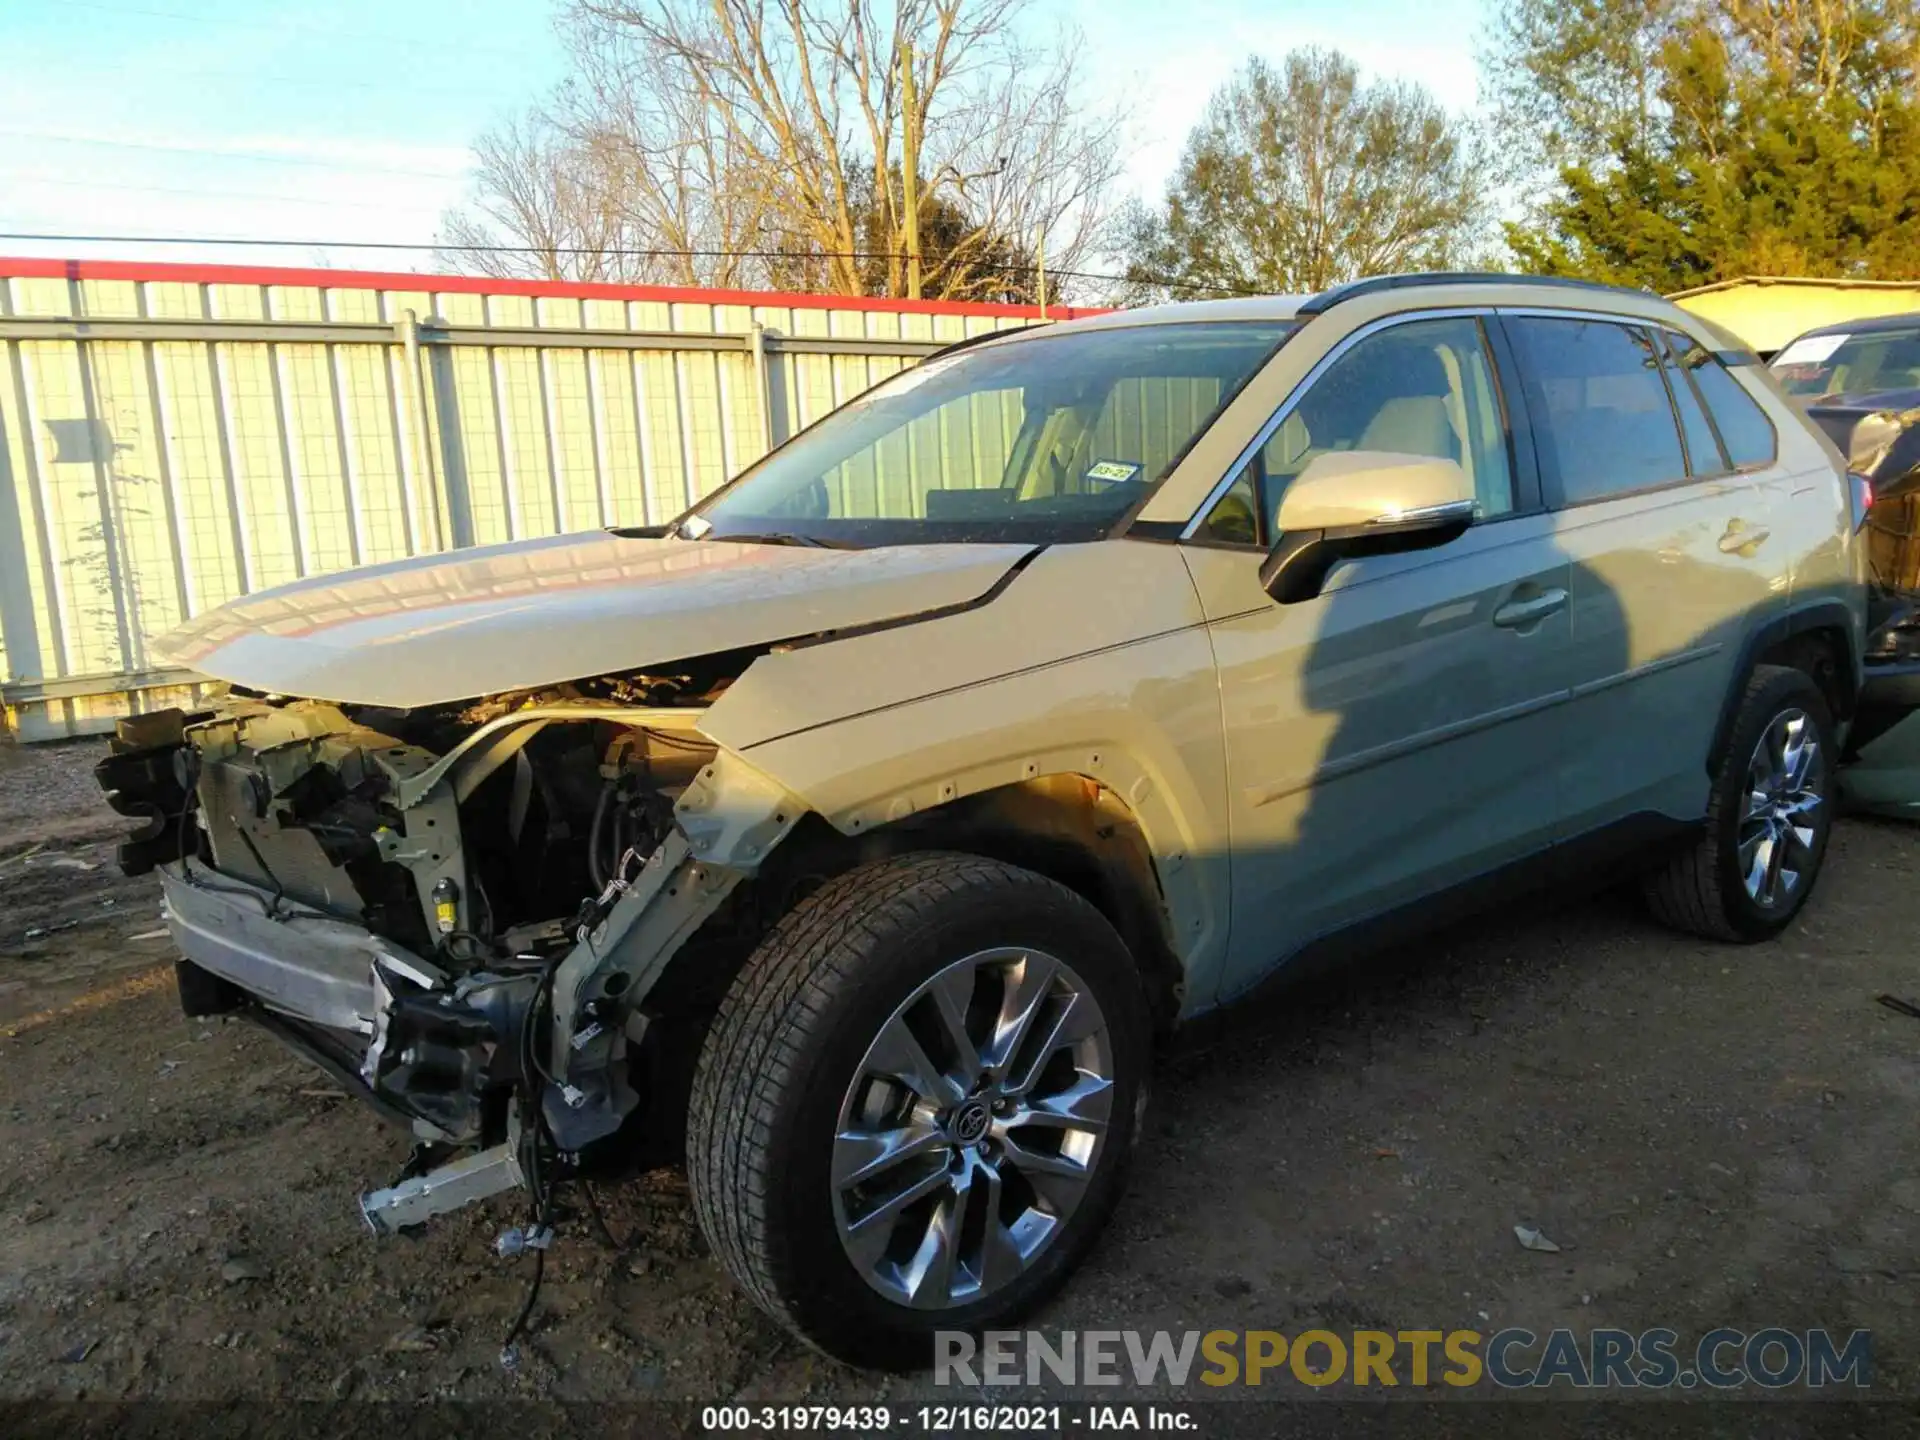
column 915, row 1108
column 1768, row 817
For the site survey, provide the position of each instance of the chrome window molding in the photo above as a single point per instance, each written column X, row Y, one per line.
column 1611, row 317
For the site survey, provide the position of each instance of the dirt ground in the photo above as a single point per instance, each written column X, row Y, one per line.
column 1713, row 1136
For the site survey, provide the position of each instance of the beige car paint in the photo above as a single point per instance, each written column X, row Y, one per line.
column 1660, row 611
column 1826, row 558
column 1668, row 586
column 1385, row 739
column 511, row 617
column 1067, row 601
column 1440, row 758
column 1093, row 661
column 1364, row 487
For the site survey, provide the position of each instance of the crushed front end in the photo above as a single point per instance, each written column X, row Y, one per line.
column 460, row 913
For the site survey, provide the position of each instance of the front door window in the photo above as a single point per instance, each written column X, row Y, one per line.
column 1423, row 388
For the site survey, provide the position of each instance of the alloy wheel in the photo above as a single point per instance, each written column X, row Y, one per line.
column 972, row 1128
column 1784, row 809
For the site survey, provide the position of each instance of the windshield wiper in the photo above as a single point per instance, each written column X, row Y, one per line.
column 773, row 537
column 757, row 537
column 686, row 531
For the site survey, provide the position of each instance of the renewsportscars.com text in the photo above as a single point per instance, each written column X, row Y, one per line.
column 1514, row 1358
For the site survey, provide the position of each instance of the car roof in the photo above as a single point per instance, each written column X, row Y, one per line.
column 1191, row 312
column 1868, row 326
column 1397, row 292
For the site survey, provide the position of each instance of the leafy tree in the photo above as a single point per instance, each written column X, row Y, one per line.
column 1567, row 79
column 1299, row 177
column 1780, row 138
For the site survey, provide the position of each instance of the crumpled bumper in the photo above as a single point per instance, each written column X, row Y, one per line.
column 295, row 961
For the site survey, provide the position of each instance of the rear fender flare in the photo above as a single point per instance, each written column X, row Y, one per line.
column 1819, row 615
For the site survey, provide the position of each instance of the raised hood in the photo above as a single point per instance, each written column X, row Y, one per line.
column 511, row 617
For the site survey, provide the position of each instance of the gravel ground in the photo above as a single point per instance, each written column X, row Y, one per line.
column 1713, row 1136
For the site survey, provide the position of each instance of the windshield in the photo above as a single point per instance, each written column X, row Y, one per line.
column 1052, row 438
column 1816, row 365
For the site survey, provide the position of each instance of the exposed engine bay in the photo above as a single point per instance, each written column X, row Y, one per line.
column 460, row 910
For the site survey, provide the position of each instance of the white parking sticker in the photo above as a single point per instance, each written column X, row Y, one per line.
column 1810, row 349
column 1112, row 472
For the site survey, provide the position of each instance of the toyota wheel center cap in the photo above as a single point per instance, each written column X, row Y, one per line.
column 969, row 1122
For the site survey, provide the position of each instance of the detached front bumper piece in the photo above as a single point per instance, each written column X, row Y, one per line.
column 298, row 962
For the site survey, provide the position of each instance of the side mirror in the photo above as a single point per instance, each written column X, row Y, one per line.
column 1362, row 502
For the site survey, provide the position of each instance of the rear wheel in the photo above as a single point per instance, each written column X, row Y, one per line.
column 916, row 1105
column 1768, row 818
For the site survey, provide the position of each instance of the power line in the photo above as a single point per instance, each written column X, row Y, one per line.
column 410, row 84
column 442, row 245
column 214, row 240
column 1005, row 268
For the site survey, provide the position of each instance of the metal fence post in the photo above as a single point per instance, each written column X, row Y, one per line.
column 409, row 328
column 763, row 379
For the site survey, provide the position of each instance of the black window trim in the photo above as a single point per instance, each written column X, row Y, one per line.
column 1523, row 446
column 1492, row 337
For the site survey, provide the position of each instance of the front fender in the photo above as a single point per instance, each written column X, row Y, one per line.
column 1142, row 719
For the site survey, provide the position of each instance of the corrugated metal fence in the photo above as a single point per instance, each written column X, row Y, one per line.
column 173, row 436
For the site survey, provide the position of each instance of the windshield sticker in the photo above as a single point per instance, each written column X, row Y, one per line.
column 1810, row 350
column 1112, row 472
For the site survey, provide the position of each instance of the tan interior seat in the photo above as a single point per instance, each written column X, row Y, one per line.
column 1413, row 425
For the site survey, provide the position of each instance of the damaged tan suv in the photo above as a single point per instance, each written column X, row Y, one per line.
column 856, row 835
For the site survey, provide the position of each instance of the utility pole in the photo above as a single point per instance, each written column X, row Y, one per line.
column 1040, row 263
column 910, row 167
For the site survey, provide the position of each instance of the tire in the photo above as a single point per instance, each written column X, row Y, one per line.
column 804, row 1055
column 1705, row 890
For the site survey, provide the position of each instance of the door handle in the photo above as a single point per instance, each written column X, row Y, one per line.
column 1517, row 613
column 1742, row 539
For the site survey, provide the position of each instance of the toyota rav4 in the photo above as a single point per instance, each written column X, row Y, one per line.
column 857, row 835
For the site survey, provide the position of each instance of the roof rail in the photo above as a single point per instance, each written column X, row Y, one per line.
column 1354, row 289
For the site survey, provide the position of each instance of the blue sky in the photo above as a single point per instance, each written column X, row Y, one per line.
column 350, row 120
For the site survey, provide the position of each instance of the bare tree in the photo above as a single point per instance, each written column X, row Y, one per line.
column 767, row 141
column 540, row 191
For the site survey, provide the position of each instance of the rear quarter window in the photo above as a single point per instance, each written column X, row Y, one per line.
column 1704, row 455
column 1743, row 425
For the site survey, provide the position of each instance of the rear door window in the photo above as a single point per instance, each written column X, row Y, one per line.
column 1602, row 418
